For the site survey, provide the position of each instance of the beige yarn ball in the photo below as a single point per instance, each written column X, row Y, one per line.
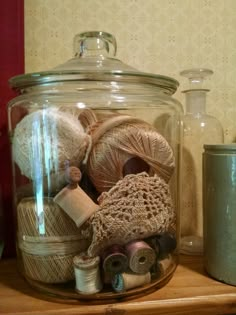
column 46, row 140
column 122, row 140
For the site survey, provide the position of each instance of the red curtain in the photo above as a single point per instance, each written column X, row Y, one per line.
column 11, row 63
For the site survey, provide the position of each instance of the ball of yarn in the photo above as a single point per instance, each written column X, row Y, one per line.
column 45, row 140
column 121, row 139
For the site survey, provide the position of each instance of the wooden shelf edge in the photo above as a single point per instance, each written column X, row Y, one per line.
column 191, row 291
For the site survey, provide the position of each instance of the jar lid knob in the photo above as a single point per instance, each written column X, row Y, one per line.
column 96, row 43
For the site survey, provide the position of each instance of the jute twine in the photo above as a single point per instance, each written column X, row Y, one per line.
column 48, row 241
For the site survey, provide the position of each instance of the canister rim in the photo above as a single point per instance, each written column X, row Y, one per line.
column 46, row 77
column 220, row 147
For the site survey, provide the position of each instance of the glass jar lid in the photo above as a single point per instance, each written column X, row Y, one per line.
column 94, row 61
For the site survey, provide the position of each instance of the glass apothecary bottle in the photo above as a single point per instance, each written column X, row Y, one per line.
column 199, row 129
column 96, row 178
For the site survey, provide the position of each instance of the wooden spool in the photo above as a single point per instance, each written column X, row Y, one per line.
column 74, row 201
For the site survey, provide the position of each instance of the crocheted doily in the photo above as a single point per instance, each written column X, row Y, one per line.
column 46, row 139
column 137, row 207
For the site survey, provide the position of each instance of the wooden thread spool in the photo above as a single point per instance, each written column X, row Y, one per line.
column 51, row 184
column 153, row 243
column 74, row 201
column 115, row 259
column 166, row 244
column 165, row 265
column 141, row 256
column 87, row 274
column 126, row 281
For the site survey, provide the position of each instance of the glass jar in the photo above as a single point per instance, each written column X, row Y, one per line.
column 199, row 129
column 96, row 175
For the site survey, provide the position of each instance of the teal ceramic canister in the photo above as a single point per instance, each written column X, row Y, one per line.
column 219, row 211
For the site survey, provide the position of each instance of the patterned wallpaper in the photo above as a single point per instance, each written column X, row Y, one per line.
column 158, row 36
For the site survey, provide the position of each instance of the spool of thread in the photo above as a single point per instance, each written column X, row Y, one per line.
column 52, row 183
column 115, row 259
column 73, row 175
column 125, row 281
column 141, row 256
column 162, row 267
column 165, row 265
column 87, row 274
column 152, row 241
column 73, row 200
column 166, row 243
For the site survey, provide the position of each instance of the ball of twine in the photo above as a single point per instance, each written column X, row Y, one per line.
column 46, row 139
column 48, row 240
column 121, row 138
column 48, row 269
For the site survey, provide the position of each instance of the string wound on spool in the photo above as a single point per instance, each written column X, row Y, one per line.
column 141, row 256
column 165, row 265
column 166, row 243
column 87, row 274
column 125, row 281
column 163, row 244
column 115, row 259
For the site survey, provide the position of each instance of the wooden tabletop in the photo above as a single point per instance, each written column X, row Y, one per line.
column 190, row 291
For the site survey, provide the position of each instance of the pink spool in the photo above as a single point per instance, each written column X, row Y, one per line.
column 141, row 256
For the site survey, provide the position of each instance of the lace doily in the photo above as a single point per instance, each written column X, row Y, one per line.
column 137, row 207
